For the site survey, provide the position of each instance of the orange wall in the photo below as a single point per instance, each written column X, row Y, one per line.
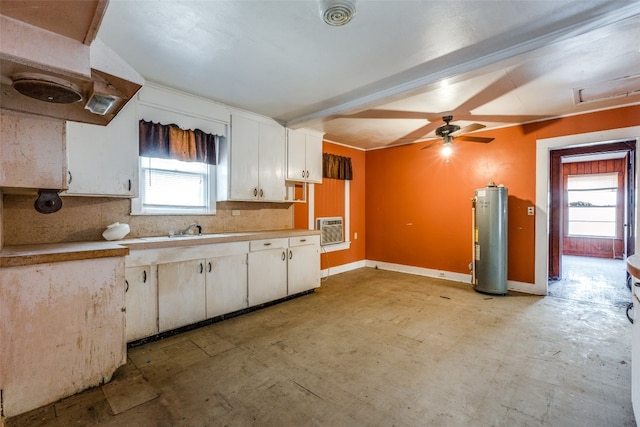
column 418, row 209
column 329, row 201
column 410, row 207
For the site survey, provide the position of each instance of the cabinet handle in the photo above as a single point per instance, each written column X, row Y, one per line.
column 303, row 240
column 261, row 193
column 129, row 184
column 209, row 267
column 268, row 244
column 303, row 174
column 290, row 254
column 284, row 257
column 201, row 268
column 70, row 177
column 637, row 284
column 307, row 174
column 127, row 288
column 255, row 192
column 144, row 276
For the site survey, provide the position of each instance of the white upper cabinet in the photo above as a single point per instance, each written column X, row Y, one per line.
column 304, row 155
column 103, row 160
column 251, row 161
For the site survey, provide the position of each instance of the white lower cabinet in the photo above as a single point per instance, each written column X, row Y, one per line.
column 142, row 302
column 303, row 264
column 172, row 287
column 635, row 355
column 226, row 284
column 181, row 294
column 267, row 270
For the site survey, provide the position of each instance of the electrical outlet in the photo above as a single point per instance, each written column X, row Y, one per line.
column 530, row 210
column 355, row 236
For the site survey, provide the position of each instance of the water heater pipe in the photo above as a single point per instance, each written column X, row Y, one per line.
column 473, row 241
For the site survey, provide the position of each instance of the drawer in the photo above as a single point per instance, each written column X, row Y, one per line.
column 304, row 240
column 266, row 244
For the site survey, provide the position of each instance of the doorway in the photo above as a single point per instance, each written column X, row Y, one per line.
column 591, row 221
column 542, row 200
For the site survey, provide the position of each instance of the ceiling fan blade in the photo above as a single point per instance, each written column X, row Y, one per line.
column 384, row 114
column 431, row 144
column 415, row 135
column 467, row 129
column 474, row 138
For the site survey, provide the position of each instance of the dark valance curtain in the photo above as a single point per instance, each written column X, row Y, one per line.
column 171, row 142
column 336, row 167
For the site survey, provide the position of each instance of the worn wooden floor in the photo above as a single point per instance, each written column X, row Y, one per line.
column 590, row 279
column 376, row 348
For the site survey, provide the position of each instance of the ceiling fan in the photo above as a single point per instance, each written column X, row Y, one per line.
column 448, row 132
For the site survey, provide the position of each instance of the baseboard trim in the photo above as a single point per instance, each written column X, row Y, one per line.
column 342, row 268
column 528, row 288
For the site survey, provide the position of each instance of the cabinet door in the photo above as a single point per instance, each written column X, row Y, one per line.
column 245, row 137
column 313, row 158
column 32, row 152
column 635, row 356
column 271, row 155
column 120, row 155
column 103, row 160
column 296, row 156
column 226, row 284
column 303, row 268
column 84, row 151
column 141, row 303
column 267, row 276
column 181, row 294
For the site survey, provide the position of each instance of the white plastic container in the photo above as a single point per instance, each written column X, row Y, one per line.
column 116, row 231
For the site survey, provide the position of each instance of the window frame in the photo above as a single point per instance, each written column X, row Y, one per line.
column 616, row 206
column 138, row 207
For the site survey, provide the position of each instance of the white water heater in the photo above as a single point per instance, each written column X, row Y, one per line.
column 489, row 265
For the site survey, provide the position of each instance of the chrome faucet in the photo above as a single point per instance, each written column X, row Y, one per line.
column 186, row 230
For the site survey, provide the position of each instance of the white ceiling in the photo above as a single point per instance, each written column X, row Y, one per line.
column 493, row 62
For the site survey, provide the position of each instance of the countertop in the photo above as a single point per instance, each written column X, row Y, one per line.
column 633, row 265
column 166, row 242
column 20, row 255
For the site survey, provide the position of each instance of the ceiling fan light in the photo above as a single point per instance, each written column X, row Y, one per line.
column 337, row 12
column 447, row 150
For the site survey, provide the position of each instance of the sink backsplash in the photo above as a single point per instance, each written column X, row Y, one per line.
column 85, row 218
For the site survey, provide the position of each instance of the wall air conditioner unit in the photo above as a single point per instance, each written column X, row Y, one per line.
column 331, row 230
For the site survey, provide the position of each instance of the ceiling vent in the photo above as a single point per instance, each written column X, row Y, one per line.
column 617, row 88
column 337, row 12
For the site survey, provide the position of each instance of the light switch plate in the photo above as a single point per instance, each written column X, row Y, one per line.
column 530, row 210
